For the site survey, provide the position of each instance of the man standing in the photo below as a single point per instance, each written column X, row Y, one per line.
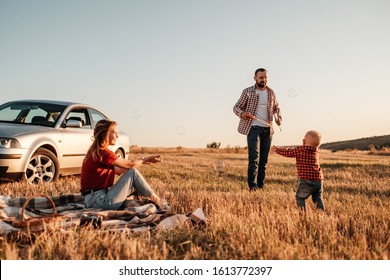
column 256, row 108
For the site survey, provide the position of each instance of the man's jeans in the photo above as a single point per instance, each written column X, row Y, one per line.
column 259, row 143
column 307, row 188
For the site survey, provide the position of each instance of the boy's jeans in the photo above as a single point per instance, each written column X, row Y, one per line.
column 112, row 199
column 307, row 188
column 259, row 143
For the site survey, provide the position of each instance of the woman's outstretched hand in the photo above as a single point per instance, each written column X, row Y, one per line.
column 151, row 159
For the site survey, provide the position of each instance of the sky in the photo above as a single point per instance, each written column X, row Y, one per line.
column 169, row 72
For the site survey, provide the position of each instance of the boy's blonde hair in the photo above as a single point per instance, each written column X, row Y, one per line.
column 315, row 137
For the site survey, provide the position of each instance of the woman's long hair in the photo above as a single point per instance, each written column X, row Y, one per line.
column 100, row 133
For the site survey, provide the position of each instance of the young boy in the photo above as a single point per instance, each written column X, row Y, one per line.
column 308, row 167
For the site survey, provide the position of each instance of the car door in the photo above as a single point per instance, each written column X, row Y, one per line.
column 76, row 140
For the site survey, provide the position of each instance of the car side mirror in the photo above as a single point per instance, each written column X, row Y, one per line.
column 74, row 123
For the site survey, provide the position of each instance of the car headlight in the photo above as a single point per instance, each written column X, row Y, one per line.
column 9, row 143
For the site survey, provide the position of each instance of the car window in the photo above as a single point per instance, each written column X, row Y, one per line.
column 34, row 113
column 35, row 116
column 80, row 114
column 7, row 114
column 96, row 116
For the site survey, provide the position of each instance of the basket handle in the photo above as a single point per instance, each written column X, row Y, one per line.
column 38, row 195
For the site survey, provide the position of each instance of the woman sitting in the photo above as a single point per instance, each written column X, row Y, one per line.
column 100, row 167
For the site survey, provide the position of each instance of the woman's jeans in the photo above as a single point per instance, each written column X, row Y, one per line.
column 259, row 143
column 307, row 188
column 130, row 182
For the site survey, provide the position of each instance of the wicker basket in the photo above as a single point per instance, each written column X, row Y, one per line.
column 36, row 223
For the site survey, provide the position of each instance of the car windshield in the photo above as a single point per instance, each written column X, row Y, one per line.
column 32, row 113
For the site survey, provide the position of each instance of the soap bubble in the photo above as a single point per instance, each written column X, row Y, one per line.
column 180, row 130
column 136, row 114
column 292, row 92
column 219, row 166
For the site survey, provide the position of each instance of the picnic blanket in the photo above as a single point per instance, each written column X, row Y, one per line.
column 67, row 211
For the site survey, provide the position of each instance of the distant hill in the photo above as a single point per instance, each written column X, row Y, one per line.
column 362, row 144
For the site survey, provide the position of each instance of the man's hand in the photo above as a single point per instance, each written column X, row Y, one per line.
column 273, row 149
column 278, row 119
column 246, row 116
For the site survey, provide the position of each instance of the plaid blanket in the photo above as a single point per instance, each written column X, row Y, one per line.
column 69, row 212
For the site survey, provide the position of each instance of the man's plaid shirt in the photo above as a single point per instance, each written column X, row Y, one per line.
column 308, row 161
column 248, row 103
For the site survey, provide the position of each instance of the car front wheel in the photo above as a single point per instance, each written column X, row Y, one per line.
column 42, row 167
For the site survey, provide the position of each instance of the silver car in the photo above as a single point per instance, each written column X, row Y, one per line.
column 41, row 140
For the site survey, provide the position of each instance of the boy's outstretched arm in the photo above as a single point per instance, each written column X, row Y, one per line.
column 286, row 152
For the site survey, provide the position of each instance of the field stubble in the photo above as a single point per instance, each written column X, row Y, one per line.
column 242, row 225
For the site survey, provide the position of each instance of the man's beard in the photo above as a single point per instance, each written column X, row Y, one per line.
column 261, row 84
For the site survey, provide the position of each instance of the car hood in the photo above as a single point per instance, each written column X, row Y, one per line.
column 13, row 130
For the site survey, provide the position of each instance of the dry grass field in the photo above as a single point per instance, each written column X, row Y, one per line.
column 242, row 225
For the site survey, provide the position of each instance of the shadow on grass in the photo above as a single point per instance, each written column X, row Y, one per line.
column 358, row 191
column 367, row 170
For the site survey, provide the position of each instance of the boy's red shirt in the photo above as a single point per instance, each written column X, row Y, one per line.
column 307, row 159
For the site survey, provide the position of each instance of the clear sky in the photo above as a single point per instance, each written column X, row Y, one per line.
column 169, row 72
